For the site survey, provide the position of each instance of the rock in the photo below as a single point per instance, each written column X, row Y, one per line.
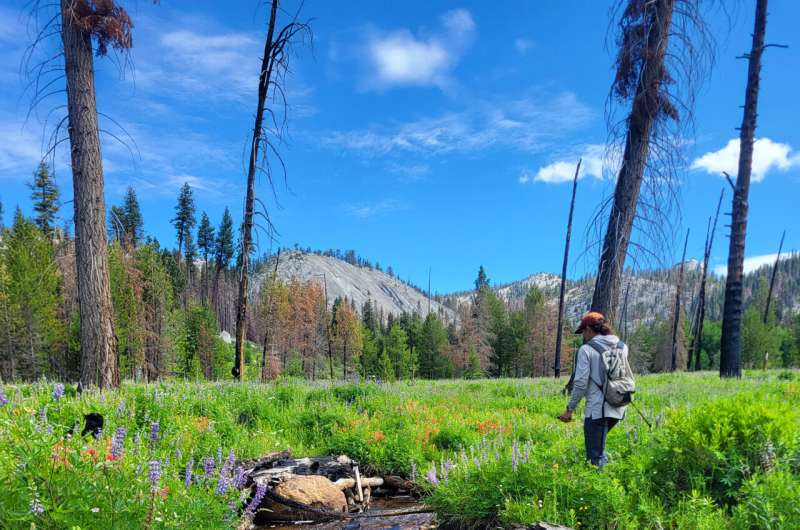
column 308, row 490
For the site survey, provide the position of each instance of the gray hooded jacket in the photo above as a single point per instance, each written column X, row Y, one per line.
column 589, row 379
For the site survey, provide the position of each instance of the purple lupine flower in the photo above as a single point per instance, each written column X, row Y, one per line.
column 58, row 391
column 118, row 443
column 477, row 463
column 3, row 400
column 222, row 485
column 431, row 476
column 43, row 414
column 239, row 477
column 514, row 461
column 229, row 463
column 208, row 466
column 154, row 428
column 121, row 408
column 36, row 507
column 178, row 453
column 187, row 481
column 254, row 503
column 155, row 474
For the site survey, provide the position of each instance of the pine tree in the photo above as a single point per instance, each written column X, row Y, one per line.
column 184, row 219
column 223, row 250
column 132, row 220
column 482, row 281
column 44, row 194
column 205, row 242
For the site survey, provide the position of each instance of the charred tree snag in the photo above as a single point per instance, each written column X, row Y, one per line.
column 730, row 362
column 701, row 297
column 677, row 316
column 82, row 20
column 562, row 290
column 640, row 75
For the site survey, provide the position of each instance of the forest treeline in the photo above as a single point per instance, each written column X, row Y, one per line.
column 171, row 306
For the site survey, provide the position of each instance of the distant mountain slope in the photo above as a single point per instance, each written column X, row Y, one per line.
column 352, row 282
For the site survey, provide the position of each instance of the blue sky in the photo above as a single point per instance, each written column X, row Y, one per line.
column 421, row 134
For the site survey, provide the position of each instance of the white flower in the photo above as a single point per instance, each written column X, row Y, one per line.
column 95, row 510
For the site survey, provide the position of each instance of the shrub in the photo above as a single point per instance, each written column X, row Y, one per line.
column 769, row 501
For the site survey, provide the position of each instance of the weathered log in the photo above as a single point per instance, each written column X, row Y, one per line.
column 274, row 468
column 399, row 483
column 367, row 482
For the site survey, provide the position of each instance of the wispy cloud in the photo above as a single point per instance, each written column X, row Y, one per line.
column 753, row 263
column 527, row 124
column 593, row 159
column 523, row 45
column 400, row 57
column 386, row 206
column 767, row 155
column 409, row 172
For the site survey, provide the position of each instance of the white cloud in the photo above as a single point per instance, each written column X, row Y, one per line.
column 399, row 57
column 766, row 156
column 364, row 211
column 753, row 263
column 592, row 158
column 527, row 124
column 523, row 45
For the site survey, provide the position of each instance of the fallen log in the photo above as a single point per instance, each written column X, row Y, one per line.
column 367, row 482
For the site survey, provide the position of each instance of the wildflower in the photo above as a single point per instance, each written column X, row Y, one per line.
column 477, row 463
column 514, row 462
column 118, row 443
column 208, row 465
column 431, row 476
column 222, row 485
column 252, row 506
column 95, row 510
column 36, row 507
column 178, row 453
column 219, row 456
column 3, row 400
column 155, row 474
column 154, row 428
column 121, row 408
column 188, row 477
column 58, row 391
column 239, row 477
column 228, row 467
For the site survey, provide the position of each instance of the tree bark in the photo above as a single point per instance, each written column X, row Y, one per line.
column 773, row 277
column 562, row 291
column 247, row 223
column 701, row 297
column 98, row 342
column 731, row 347
column 644, row 112
column 677, row 316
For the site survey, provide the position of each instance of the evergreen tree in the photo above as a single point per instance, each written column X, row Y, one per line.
column 473, row 369
column 432, row 361
column 184, row 219
column 44, row 194
column 205, row 237
column 132, row 218
column 482, row 281
column 396, row 348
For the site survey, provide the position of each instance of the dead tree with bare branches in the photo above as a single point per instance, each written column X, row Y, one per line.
column 562, row 290
column 700, row 314
column 664, row 48
column 677, row 316
column 730, row 362
column 274, row 67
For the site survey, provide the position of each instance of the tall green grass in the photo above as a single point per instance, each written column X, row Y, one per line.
column 486, row 452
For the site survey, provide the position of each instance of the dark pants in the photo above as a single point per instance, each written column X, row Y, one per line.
column 594, row 436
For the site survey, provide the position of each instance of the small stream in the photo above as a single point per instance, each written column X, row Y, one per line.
column 382, row 515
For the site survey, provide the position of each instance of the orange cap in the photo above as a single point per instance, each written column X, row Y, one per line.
column 590, row 319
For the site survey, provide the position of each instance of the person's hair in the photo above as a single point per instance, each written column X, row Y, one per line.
column 601, row 328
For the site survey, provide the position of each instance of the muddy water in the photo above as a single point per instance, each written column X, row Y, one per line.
column 384, row 514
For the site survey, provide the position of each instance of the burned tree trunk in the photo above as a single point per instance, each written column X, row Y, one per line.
column 249, row 204
column 562, row 291
column 773, row 277
column 731, row 346
column 701, row 296
column 98, row 342
column 648, row 104
column 677, row 317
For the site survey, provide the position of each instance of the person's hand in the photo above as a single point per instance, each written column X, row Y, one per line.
column 566, row 417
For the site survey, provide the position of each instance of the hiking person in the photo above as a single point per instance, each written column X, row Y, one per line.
column 603, row 376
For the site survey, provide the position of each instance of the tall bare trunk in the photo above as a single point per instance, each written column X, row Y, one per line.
column 677, row 317
column 562, row 291
column 247, row 223
column 644, row 111
column 701, row 297
column 773, row 277
column 98, row 342
column 731, row 347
